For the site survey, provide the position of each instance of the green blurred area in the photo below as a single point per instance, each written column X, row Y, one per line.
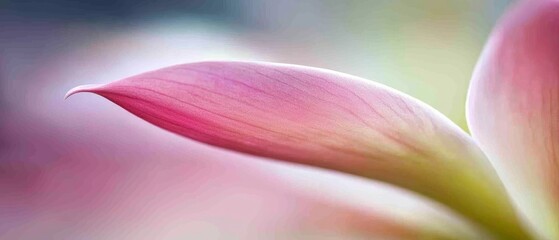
column 427, row 49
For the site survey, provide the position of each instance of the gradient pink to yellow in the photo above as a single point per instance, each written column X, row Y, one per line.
column 336, row 121
column 320, row 118
column 90, row 171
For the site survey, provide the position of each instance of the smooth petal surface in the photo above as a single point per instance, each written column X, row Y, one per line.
column 325, row 119
column 513, row 109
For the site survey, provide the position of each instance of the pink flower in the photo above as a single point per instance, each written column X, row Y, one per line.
column 504, row 179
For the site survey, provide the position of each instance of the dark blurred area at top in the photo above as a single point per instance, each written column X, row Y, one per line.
column 104, row 11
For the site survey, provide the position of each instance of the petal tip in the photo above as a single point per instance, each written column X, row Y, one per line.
column 82, row 88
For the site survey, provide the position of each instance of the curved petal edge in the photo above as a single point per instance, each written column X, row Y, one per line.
column 326, row 119
column 513, row 109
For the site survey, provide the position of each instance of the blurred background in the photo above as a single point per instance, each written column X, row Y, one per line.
column 72, row 169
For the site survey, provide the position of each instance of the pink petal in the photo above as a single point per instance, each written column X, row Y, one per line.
column 321, row 118
column 513, row 109
column 60, row 183
column 130, row 180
